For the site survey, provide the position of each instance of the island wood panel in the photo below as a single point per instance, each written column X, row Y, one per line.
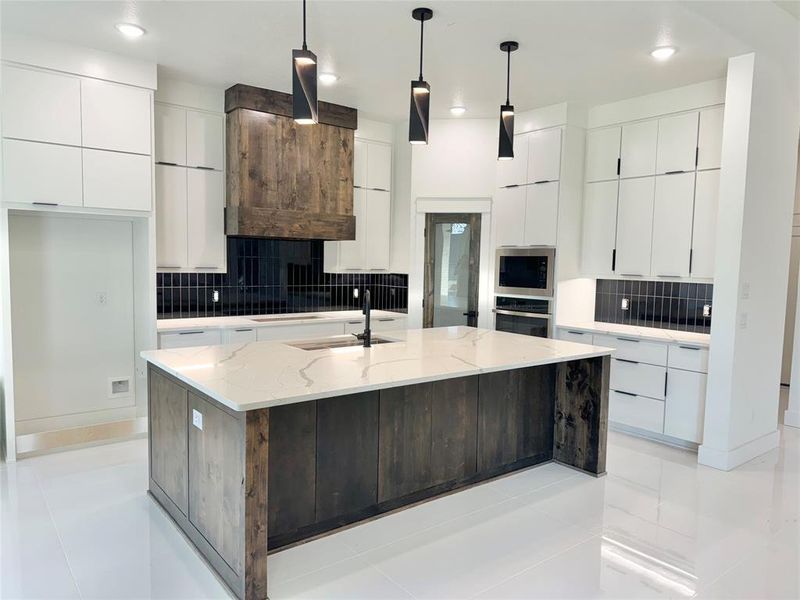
column 347, row 455
column 256, row 507
column 169, row 459
column 581, row 418
column 292, row 467
column 454, row 419
column 216, row 479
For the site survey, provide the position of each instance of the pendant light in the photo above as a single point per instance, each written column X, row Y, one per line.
column 420, row 90
column 506, row 149
column 304, row 82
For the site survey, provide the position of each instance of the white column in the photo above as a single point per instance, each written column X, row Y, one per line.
column 759, row 161
column 791, row 415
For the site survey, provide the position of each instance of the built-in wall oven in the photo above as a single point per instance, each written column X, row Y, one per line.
column 526, row 316
column 525, row 271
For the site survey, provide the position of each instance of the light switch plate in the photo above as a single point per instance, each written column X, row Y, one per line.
column 197, row 419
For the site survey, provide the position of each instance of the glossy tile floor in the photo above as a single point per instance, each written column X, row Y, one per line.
column 78, row 524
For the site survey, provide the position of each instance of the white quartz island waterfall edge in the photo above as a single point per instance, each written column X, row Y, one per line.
column 266, row 374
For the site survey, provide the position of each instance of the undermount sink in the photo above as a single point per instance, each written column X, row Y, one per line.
column 336, row 342
column 293, row 318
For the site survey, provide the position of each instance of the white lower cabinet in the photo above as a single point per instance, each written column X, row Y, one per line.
column 187, row 339
column 241, row 335
column 376, row 324
column 636, row 411
column 299, row 332
column 36, row 173
column 685, row 405
column 638, row 378
column 571, row 335
column 117, row 180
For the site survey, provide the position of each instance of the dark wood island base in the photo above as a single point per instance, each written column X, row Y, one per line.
column 266, row 478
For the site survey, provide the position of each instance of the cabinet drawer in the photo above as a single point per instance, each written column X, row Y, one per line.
column 570, row 335
column 688, row 357
column 240, row 335
column 638, row 378
column 41, row 173
column 187, row 339
column 636, row 411
column 299, row 332
column 629, row 348
column 388, row 323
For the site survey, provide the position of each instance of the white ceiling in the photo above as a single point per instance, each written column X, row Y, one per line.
column 583, row 52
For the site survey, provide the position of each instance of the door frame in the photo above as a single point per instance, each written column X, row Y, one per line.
column 473, row 220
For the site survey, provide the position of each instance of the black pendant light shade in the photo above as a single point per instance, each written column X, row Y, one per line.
column 419, row 113
column 506, row 146
column 304, row 82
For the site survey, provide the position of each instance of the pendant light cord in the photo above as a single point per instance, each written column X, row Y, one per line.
column 508, row 79
column 304, row 26
column 421, row 38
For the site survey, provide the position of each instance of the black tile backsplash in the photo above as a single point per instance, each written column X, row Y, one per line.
column 663, row 304
column 273, row 276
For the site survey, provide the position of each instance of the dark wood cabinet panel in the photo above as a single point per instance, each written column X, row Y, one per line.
column 347, row 452
column 292, row 467
column 169, row 461
column 216, row 480
column 256, row 498
column 537, row 410
column 454, row 419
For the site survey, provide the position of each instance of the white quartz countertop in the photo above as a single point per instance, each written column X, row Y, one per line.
column 644, row 333
column 175, row 325
column 265, row 374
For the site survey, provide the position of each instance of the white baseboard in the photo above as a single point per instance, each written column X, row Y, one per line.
column 725, row 460
column 791, row 418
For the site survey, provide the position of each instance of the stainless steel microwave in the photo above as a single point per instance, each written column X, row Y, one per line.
column 525, row 271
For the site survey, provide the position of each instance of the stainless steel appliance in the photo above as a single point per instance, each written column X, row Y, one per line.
column 527, row 316
column 525, row 271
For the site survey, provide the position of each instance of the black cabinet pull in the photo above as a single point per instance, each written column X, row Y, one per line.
column 696, row 155
column 166, row 164
column 45, row 203
column 190, row 332
column 541, row 181
column 688, row 347
column 674, row 172
column 625, row 393
column 619, row 165
column 242, row 330
column 576, row 332
column 614, row 259
column 624, row 339
column 625, row 360
column 666, row 375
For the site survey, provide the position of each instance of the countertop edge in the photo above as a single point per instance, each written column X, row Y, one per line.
column 669, row 336
column 246, row 321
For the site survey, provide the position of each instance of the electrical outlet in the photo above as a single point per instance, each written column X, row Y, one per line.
column 706, row 310
column 197, row 419
column 215, row 296
column 745, row 290
column 625, row 304
column 743, row 320
column 355, row 293
column 102, row 298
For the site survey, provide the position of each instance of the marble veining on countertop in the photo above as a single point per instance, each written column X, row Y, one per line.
column 644, row 333
column 332, row 316
column 263, row 374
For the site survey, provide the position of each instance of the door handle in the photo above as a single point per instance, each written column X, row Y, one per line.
column 471, row 314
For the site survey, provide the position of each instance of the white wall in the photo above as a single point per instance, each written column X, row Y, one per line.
column 791, row 416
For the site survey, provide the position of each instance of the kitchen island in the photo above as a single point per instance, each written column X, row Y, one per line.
column 260, row 445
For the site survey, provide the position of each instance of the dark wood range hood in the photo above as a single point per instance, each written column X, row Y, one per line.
column 286, row 180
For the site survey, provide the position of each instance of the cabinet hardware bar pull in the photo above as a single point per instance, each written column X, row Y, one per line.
column 688, row 347
column 513, row 185
column 204, row 168
column 619, row 165
column 667, row 275
column 380, row 189
column 166, row 164
column 354, row 322
column 576, row 332
column 625, row 393
column 666, row 375
column 624, row 339
column 46, row 203
column 625, row 360
column 674, row 172
column 696, row 155
column 541, row 181
column 631, row 274
column 243, row 330
column 691, row 256
column 385, row 320
column 614, row 259
column 190, row 332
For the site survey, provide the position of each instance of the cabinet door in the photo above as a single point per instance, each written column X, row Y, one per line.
column 360, row 164
column 44, row 107
column 41, row 173
column 171, row 215
column 189, row 339
column 635, row 226
column 514, row 171
column 170, row 128
column 508, row 213
column 684, row 409
column 544, row 155
column 709, row 141
column 117, row 180
column 379, row 166
column 704, row 232
column 351, row 252
column 541, row 214
column 204, row 140
column 602, row 154
column 638, row 149
column 677, row 143
column 378, row 230
column 169, row 459
column 672, row 225
column 115, row 117
column 599, row 227
column 206, row 219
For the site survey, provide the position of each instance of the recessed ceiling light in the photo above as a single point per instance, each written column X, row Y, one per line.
column 457, row 111
column 663, row 53
column 328, row 78
column 130, row 30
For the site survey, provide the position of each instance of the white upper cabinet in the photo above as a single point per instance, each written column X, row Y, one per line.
column 117, row 180
column 40, row 106
column 360, row 164
column 514, row 171
column 638, row 154
column 709, row 143
column 206, row 219
column 378, row 235
column 677, row 143
column 24, row 164
column 115, row 117
column 541, row 214
column 205, row 135
column 379, row 166
column 706, row 202
column 544, row 155
column 170, row 128
column 599, row 227
column 351, row 252
column 635, row 226
column 508, row 213
column 672, row 225
column 171, row 217
column 602, row 154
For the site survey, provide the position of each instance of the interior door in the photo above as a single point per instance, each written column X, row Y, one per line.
column 452, row 256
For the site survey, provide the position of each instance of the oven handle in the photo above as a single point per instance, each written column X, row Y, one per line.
column 515, row 313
